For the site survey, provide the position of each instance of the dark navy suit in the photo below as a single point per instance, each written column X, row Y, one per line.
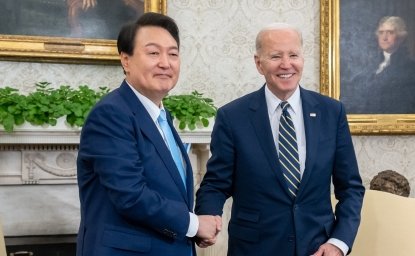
column 244, row 165
column 133, row 201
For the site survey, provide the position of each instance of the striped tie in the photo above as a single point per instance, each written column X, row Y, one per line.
column 288, row 151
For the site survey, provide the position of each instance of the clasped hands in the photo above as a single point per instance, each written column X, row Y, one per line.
column 209, row 228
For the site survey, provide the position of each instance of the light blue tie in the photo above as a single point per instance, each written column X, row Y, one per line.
column 288, row 151
column 171, row 143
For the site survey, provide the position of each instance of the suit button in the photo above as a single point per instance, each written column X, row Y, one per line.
column 169, row 233
column 291, row 239
column 295, row 207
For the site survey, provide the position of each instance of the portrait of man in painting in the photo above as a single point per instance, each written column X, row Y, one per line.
column 377, row 49
column 93, row 19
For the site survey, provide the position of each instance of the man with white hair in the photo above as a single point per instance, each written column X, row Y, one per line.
column 391, row 33
column 275, row 151
column 388, row 85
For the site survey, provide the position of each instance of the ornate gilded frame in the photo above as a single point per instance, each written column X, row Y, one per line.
column 66, row 50
column 360, row 124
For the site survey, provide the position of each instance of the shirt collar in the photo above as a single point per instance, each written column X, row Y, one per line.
column 386, row 55
column 151, row 108
column 273, row 101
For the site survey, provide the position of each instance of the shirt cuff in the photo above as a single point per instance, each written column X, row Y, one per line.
column 339, row 244
column 193, row 225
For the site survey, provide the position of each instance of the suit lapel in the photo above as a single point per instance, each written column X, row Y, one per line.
column 260, row 122
column 312, row 120
column 149, row 129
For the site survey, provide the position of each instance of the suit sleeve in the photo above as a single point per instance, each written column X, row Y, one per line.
column 347, row 183
column 109, row 149
column 216, row 186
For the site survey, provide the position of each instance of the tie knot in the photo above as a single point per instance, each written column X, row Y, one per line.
column 162, row 116
column 284, row 105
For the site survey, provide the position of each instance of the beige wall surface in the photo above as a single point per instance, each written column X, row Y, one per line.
column 217, row 59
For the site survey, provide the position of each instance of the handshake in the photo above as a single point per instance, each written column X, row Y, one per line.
column 209, row 228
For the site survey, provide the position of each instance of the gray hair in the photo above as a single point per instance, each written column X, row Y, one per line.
column 276, row 26
column 397, row 23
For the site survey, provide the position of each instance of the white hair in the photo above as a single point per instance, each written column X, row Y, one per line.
column 276, row 26
column 397, row 23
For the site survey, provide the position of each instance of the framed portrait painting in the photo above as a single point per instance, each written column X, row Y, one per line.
column 67, row 31
column 368, row 62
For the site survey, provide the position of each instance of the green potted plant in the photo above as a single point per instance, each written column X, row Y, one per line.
column 46, row 105
column 191, row 110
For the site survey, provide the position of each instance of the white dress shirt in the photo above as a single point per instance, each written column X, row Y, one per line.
column 296, row 112
column 385, row 63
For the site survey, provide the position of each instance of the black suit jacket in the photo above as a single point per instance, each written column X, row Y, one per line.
column 389, row 92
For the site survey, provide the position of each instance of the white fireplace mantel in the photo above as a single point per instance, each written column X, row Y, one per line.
column 55, row 137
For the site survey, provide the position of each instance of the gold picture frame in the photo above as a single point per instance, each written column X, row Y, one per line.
column 360, row 124
column 64, row 49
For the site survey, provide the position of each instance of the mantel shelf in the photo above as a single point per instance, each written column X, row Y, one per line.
column 72, row 137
